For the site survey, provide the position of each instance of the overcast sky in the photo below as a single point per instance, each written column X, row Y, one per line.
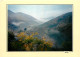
column 41, row 12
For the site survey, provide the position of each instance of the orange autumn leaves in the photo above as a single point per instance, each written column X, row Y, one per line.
column 32, row 43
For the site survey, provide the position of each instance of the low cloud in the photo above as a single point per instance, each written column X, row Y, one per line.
column 17, row 23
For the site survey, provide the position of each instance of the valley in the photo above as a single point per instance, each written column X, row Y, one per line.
column 58, row 30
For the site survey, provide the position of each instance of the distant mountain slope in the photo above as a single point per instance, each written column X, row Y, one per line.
column 59, row 28
column 10, row 25
column 21, row 20
column 61, row 20
column 57, row 22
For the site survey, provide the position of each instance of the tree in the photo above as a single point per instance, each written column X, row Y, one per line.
column 33, row 43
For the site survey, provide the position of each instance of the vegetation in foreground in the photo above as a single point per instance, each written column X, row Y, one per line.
column 27, row 42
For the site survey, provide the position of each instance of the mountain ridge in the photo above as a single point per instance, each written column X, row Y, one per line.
column 58, row 29
column 21, row 19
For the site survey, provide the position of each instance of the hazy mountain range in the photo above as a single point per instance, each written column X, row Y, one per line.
column 57, row 29
column 21, row 20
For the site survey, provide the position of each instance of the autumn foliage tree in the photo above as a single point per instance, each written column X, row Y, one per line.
column 33, row 43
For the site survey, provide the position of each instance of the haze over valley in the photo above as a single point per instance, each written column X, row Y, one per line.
column 51, row 23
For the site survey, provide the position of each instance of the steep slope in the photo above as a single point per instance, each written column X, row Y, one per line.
column 56, row 23
column 10, row 25
column 59, row 21
column 21, row 20
column 59, row 29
